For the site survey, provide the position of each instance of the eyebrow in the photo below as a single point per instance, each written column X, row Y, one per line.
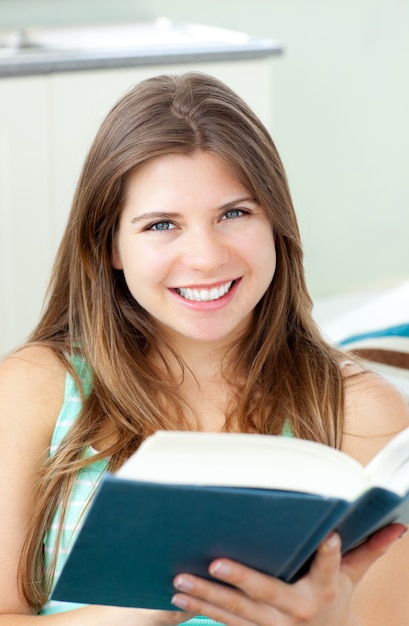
column 154, row 215
column 165, row 215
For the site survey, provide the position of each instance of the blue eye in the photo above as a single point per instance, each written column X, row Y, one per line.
column 233, row 213
column 161, row 226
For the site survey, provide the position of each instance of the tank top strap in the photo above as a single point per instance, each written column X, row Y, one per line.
column 287, row 431
column 72, row 401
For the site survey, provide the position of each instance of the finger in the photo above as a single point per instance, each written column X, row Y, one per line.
column 216, row 613
column 280, row 598
column 325, row 567
column 258, row 586
column 298, row 602
column 220, row 602
column 359, row 560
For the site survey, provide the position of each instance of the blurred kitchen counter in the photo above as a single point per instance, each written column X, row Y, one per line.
column 32, row 51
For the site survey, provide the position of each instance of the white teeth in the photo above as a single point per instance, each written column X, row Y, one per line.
column 202, row 295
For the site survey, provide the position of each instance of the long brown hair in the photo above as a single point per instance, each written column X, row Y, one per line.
column 292, row 375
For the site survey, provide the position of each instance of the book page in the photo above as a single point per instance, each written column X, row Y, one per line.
column 243, row 460
column 390, row 467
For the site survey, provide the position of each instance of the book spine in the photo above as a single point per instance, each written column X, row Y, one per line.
column 299, row 562
column 375, row 509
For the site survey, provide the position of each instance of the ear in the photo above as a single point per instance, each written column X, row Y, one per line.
column 115, row 256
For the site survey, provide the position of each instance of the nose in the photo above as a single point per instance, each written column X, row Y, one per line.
column 204, row 250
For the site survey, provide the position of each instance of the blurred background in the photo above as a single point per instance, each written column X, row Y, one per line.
column 336, row 101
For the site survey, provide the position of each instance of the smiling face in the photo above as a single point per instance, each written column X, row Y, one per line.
column 196, row 250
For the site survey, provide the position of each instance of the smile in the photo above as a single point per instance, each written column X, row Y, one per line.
column 205, row 295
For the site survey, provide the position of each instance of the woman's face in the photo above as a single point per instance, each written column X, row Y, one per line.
column 196, row 250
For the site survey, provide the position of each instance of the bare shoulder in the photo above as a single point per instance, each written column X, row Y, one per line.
column 375, row 411
column 35, row 354
column 32, row 384
column 34, row 362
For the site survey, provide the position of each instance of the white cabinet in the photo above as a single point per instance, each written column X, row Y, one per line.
column 26, row 217
column 46, row 126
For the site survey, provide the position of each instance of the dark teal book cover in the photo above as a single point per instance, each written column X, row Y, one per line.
column 137, row 536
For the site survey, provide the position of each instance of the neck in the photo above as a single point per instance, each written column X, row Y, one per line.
column 203, row 385
column 205, row 360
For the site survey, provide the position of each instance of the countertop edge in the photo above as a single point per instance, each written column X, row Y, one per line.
column 47, row 62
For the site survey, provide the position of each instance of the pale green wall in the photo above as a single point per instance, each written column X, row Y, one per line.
column 341, row 116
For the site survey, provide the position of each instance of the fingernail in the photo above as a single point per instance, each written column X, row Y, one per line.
column 405, row 532
column 332, row 542
column 183, row 584
column 180, row 602
column 220, row 569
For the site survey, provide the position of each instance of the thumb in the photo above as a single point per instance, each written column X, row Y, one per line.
column 359, row 560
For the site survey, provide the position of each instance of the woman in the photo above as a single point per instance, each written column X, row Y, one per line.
column 178, row 301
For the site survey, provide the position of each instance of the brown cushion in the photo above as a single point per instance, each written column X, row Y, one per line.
column 388, row 357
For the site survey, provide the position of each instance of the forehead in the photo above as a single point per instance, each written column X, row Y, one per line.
column 196, row 176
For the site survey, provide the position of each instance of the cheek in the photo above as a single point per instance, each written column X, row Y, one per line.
column 272, row 255
column 268, row 268
column 143, row 269
column 260, row 252
column 266, row 263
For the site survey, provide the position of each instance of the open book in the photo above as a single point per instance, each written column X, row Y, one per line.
column 185, row 498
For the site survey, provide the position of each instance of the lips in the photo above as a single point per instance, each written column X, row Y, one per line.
column 203, row 294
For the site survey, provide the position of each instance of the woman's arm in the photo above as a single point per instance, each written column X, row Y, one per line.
column 99, row 616
column 375, row 412
column 369, row 586
column 31, row 393
column 32, row 386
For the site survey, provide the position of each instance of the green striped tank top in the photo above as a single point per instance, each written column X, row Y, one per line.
column 82, row 491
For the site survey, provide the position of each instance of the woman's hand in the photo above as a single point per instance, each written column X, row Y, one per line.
column 321, row 598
